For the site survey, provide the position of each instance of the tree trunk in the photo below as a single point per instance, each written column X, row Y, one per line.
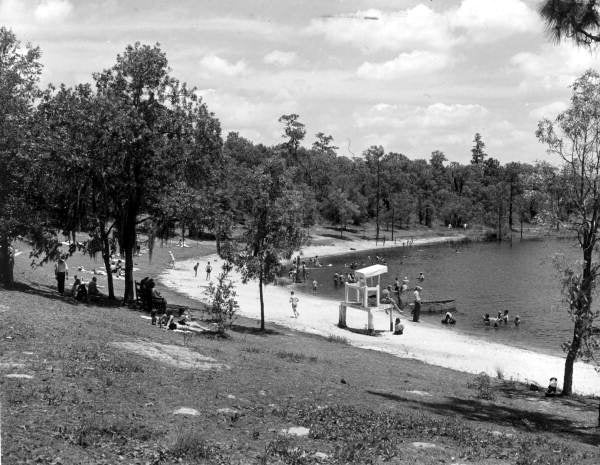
column 570, row 361
column 262, row 302
column 128, row 295
column 6, row 263
column 106, row 259
column 392, row 224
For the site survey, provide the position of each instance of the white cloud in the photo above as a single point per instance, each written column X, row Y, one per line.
column 490, row 20
column 277, row 57
column 419, row 26
column 52, row 11
column 553, row 66
column 422, row 27
column 435, row 116
column 213, row 64
column 418, row 61
column 549, row 111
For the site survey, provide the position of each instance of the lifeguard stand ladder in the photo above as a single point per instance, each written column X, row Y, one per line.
column 357, row 294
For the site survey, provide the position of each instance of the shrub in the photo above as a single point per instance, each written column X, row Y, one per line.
column 483, row 384
column 223, row 304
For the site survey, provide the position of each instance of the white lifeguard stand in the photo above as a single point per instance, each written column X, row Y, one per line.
column 368, row 282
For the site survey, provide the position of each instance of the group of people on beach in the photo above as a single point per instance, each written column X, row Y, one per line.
column 208, row 270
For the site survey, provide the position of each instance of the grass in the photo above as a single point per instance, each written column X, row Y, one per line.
column 338, row 339
column 89, row 403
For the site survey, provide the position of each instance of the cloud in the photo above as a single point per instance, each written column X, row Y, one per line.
column 279, row 58
column 549, row 111
column 435, row 116
column 486, row 21
column 213, row 64
column 421, row 27
column 404, row 64
column 553, row 66
column 52, row 11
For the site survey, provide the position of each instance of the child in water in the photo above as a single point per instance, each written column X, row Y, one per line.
column 449, row 319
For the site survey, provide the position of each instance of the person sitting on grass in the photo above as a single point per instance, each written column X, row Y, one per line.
column 92, row 288
column 81, row 293
column 76, row 283
column 398, row 327
column 551, row 390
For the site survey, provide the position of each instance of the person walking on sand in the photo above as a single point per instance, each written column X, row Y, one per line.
column 417, row 307
column 294, row 301
column 61, row 271
column 315, row 285
column 196, row 269
column 208, row 270
column 172, row 258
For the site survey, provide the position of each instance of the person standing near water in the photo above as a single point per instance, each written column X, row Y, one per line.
column 208, row 270
column 294, row 301
column 172, row 257
column 61, row 271
column 196, row 269
column 315, row 285
column 417, row 307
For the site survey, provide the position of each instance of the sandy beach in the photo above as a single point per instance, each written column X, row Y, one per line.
column 437, row 345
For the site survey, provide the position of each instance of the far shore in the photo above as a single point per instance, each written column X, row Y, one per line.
column 431, row 344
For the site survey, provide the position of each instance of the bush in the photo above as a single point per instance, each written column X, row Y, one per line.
column 223, row 304
column 483, row 384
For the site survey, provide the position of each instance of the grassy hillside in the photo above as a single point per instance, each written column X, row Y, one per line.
column 103, row 386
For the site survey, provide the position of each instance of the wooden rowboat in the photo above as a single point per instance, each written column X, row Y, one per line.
column 437, row 306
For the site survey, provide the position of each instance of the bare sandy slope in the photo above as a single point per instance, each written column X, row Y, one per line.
column 437, row 345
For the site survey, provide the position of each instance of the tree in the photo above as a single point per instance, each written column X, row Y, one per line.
column 275, row 220
column 575, row 137
column 578, row 20
column 20, row 70
column 161, row 129
column 478, row 150
column 339, row 209
column 373, row 157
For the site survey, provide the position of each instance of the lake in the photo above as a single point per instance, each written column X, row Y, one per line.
column 482, row 277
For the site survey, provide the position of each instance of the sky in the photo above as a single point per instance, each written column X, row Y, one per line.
column 412, row 76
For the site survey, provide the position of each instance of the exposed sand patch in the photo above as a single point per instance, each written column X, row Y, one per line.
column 186, row 411
column 11, row 365
column 419, row 393
column 18, row 376
column 296, row 431
column 177, row 356
column 424, row 445
column 228, row 411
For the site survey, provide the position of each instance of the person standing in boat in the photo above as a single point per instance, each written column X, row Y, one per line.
column 417, row 304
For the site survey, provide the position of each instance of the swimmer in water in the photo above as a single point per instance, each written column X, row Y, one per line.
column 517, row 320
column 449, row 319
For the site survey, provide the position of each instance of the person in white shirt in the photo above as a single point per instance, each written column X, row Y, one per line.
column 61, row 271
column 417, row 307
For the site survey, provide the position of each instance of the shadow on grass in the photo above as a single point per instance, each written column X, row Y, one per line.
column 254, row 330
column 365, row 332
column 49, row 292
column 337, row 236
column 518, row 418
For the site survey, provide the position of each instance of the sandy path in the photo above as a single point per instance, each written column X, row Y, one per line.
column 437, row 345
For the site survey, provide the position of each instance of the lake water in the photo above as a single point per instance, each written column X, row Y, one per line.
column 482, row 278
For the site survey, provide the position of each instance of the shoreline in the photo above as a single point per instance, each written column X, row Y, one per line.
column 421, row 341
